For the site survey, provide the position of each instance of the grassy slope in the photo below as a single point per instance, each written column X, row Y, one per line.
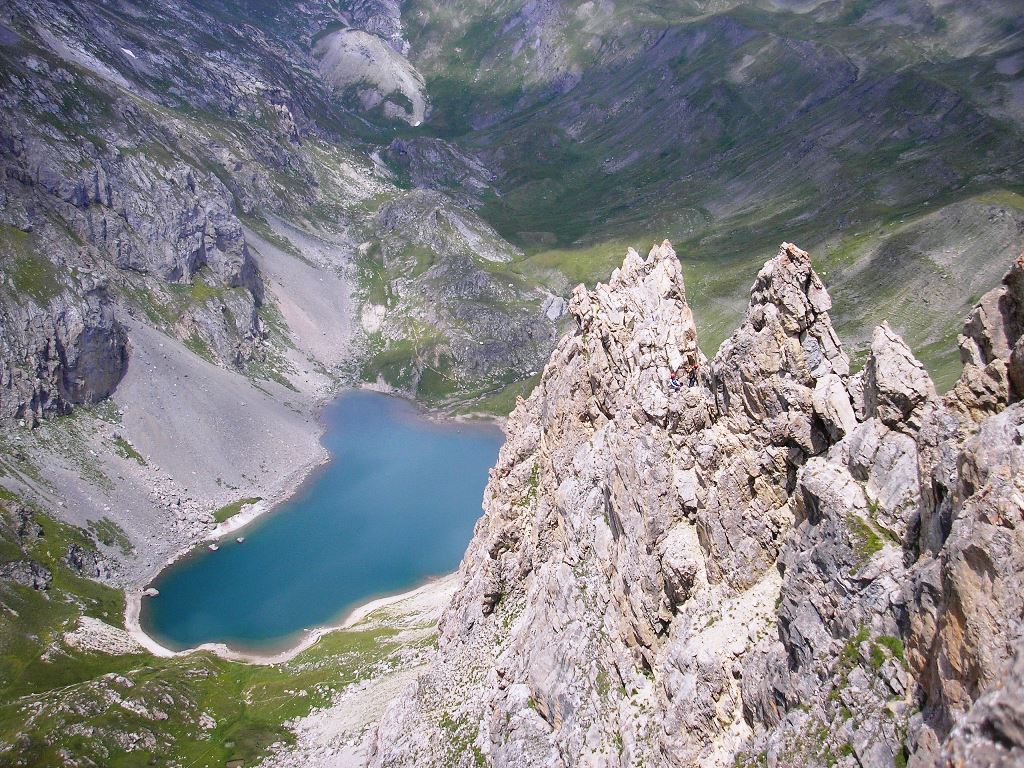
column 63, row 706
column 785, row 138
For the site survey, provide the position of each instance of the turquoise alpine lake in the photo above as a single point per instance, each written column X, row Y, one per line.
column 395, row 505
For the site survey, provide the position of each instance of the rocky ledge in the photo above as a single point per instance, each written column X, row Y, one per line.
column 59, row 353
column 784, row 563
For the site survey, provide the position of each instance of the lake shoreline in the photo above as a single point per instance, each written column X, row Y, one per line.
column 435, row 592
column 470, row 417
column 307, row 472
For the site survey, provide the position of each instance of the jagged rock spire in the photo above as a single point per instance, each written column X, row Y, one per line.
column 637, row 329
column 992, row 350
column 709, row 574
column 767, row 371
column 896, row 385
column 621, row 510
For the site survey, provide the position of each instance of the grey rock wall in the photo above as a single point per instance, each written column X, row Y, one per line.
column 69, row 351
column 784, row 564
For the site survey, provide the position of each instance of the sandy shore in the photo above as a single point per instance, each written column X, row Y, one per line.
column 426, row 598
column 133, row 592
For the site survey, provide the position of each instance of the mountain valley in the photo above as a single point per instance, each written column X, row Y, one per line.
column 217, row 215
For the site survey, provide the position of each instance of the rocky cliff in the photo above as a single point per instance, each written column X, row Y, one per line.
column 782, row 564
column 61, row 346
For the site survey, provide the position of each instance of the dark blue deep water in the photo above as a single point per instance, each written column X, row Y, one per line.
column 396, row 504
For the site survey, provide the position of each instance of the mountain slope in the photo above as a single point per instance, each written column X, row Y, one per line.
column 720, row 125
column 215, row 214
column 193, row 221
column 781, row 562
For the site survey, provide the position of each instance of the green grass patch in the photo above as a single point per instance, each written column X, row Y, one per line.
column 158, row 312
column 197, row 344
column 196, row 292
column 272, row 318
column 270, row 370
column 109, row 533
column 232, row 509
column 460, row 741
column 532, row 487
column 942, row 359
column 895, row 646
column 31, row 273
column 876, row 656
column 395, row 365
column 1003, row 197
column 865, row 540
column 126, row 450
column 586, row 264
column 153, row 150
column 70, row 437
column 851, row 649
column 502, row 402
column 437, row 379
column 192, row 710
column 374, row 278
column 399, row 362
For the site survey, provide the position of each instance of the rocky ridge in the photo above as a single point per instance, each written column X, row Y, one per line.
column 783, row 564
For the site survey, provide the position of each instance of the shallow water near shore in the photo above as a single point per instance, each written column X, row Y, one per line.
column 396, row 504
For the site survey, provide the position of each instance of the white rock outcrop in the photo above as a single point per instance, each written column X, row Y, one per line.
column 779, row 564
column 381, row 76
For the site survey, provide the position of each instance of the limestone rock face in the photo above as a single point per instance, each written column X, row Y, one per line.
column 428, row 220
column 779, row 564
column 993, row 731
column 439, row 254
column 146, row 225
column 896, row 385
column 87, row 562
column 382, row 18
column 992, row 348
column 70, row 351
column 433, row 163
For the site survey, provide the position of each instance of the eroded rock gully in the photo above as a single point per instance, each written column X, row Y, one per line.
column 784, row 564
